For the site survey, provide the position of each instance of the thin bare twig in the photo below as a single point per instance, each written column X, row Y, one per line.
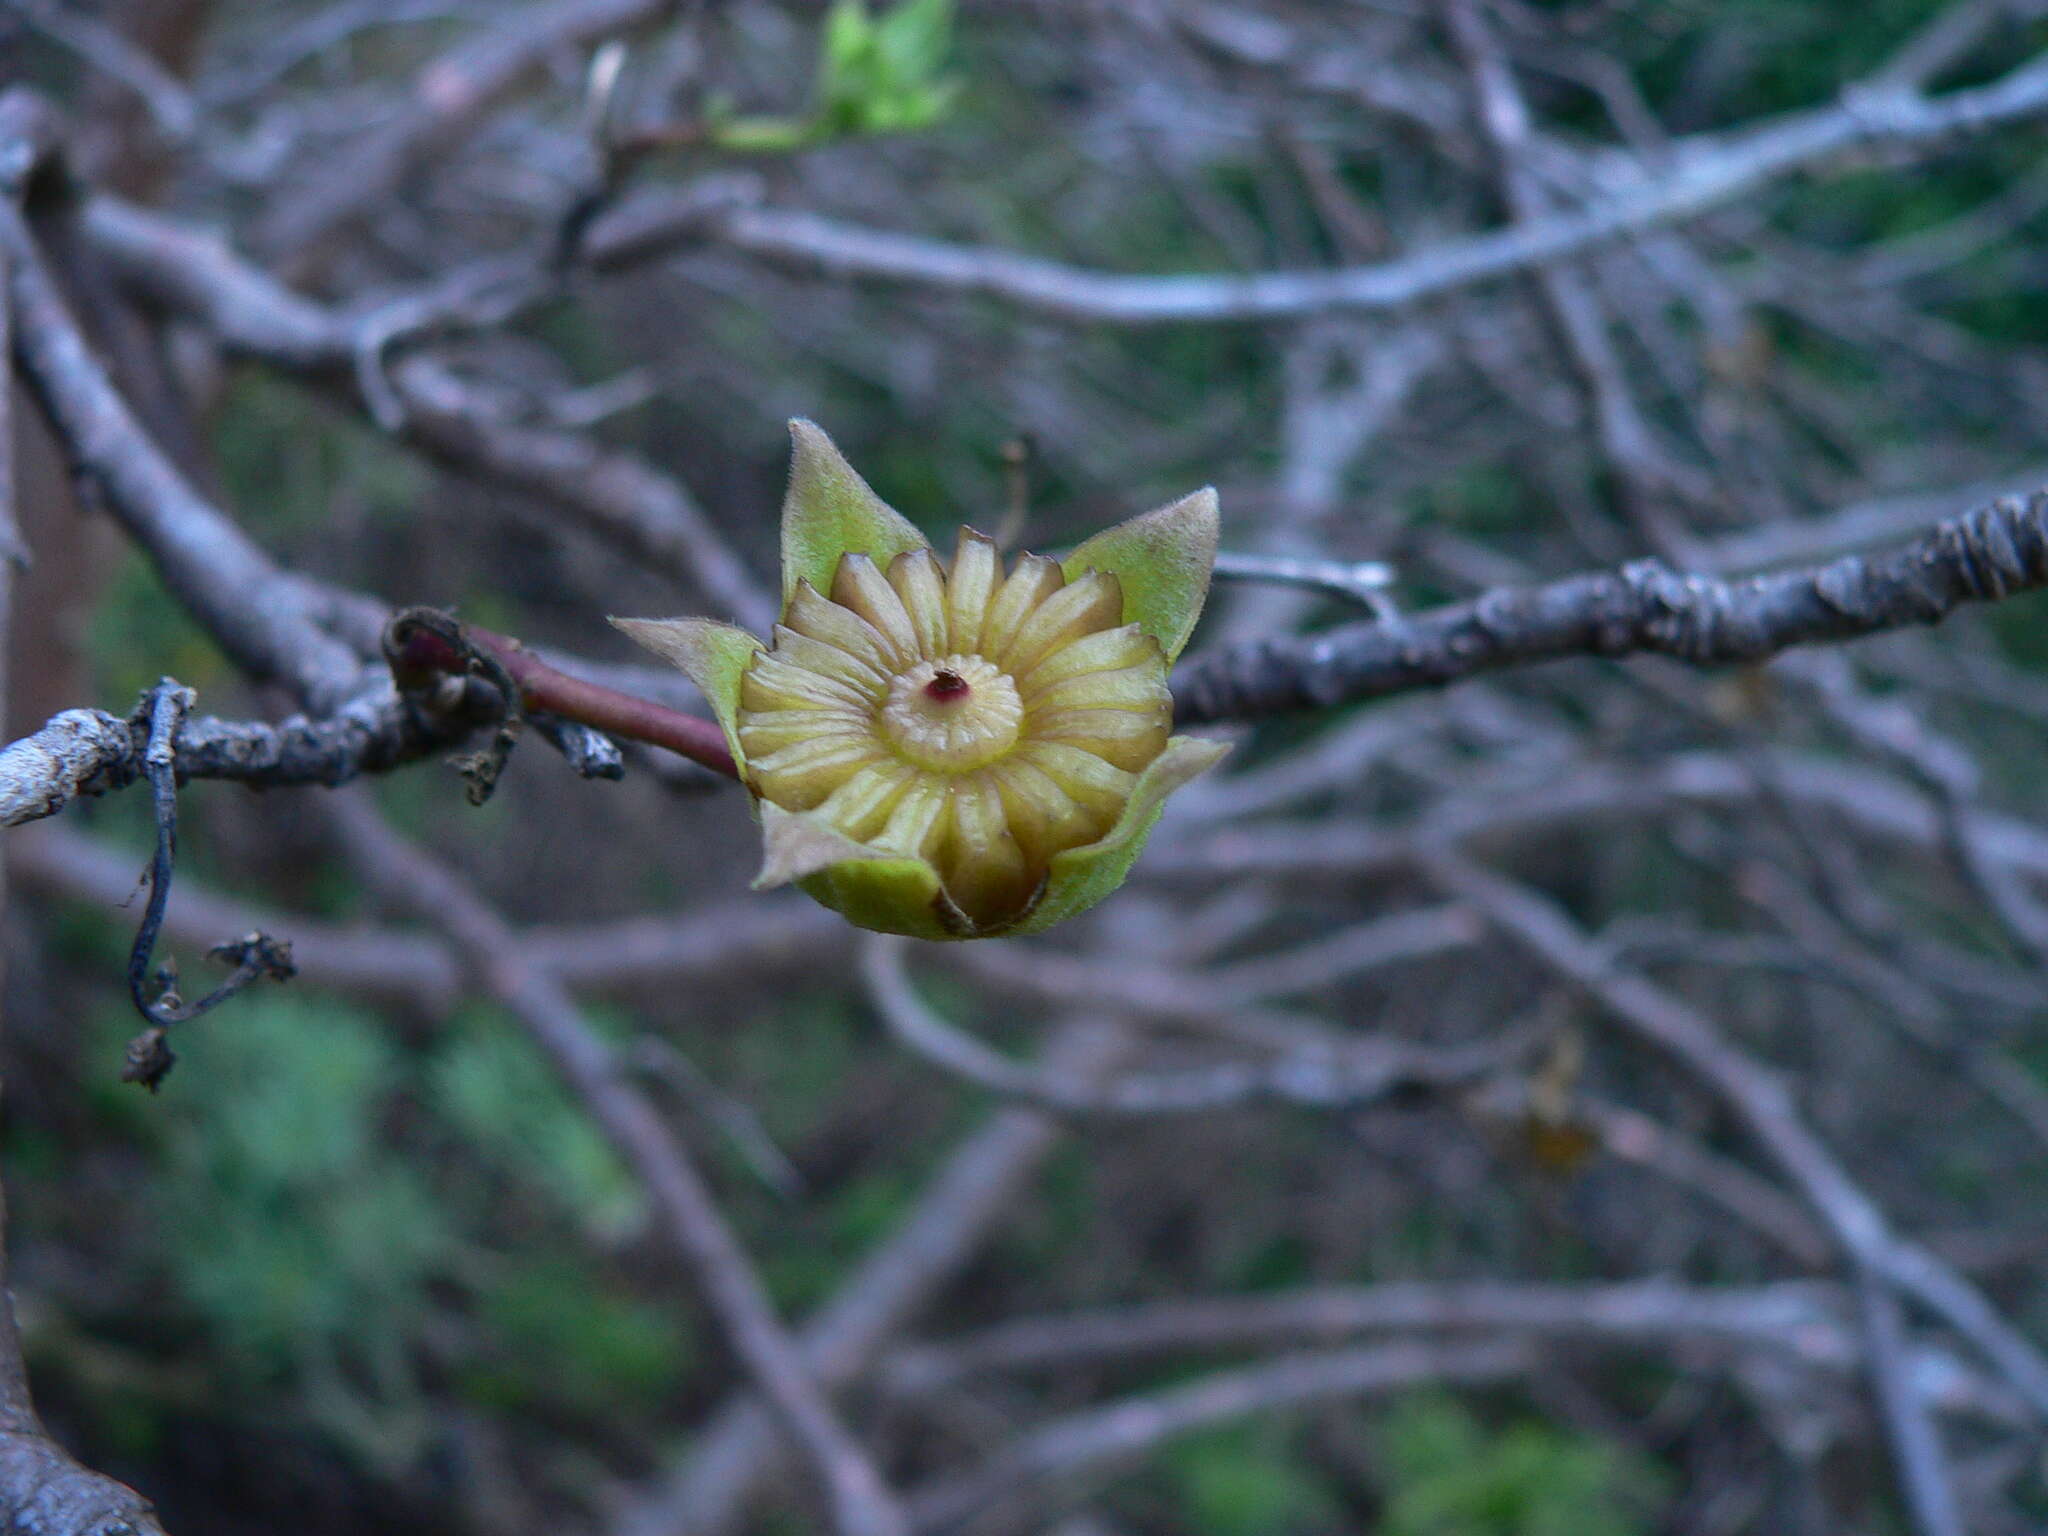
column 1805, row 1318
column 422, row 643
column 1702, row 175
column 263, row 621
column 1086, row 1444
column 1759, row 1100
column 1345, row 1077
column 449, row 98
column 89, row 752
column 734, row 1453
column 1363, row 582
column 401, row 965
column 860, row 1504
column 1982, row 556
column 644, row 512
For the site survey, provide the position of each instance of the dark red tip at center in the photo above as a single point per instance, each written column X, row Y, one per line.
column 945, row 686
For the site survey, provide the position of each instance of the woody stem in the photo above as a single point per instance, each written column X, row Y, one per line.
column 421, row 649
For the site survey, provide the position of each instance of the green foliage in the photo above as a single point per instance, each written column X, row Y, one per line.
column 1280, row 1260
column 287, row 463
column 303, row 1242
column 1246, row 1480
column 847, row 1224
column 796, row 1057
column 563, row 1344
column 491, row 1086
column 1795, row 54
column 882, row 75
column 137, row 634
column 1449, row 1477
column 319, row 1228
column 876, row 75
column 1484, row 497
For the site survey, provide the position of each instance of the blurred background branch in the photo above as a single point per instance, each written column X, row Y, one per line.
column 1602, row 1095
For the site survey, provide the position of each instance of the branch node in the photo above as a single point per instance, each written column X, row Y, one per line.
column 443, row 672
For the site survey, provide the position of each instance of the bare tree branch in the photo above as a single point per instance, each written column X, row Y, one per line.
column 1346, row 1077
column 449, row 97
column 1807, row 1318
column 1094, row 1440
column 734, row 1454
column 43, row 1492
column 860, row 1503
column 1759, row 1100
column 88, row 752
column 1701, row 176
column 645, row 513
column 1983, row 556
column 262, row 620
column 416, row 968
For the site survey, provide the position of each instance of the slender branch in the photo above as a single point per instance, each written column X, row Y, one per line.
column 156, row 998
column 170, row 102
column 263, row 621
column 1364, row 1072
column 450, row 96
column 1703, row 174
column 1983, row 556
column 1087, row 1443
column 1222, row 999
column 720, row 939
column 1758, row 1099
column 1890, row 731
column 643, row 512
column 860, row 1503
column 1644, row 608
column 734, row 1455
column 1570, row 302
column 1804, row 1323
column 1644, row 475
column 254, row 955
column 89, row 752
column 1805, row 1317
column 1630, row 1136
column 1917, row 1453
column 43, row 1492
column 1593, row 793
column 1364, row 582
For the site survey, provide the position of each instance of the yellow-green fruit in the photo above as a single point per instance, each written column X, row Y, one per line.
column 946, row 750
column 950, row 713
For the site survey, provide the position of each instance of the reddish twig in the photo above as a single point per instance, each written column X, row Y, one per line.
column 425, row 645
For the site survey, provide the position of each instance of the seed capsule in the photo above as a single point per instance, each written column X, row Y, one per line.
column 943, row 748
column 946, row 713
